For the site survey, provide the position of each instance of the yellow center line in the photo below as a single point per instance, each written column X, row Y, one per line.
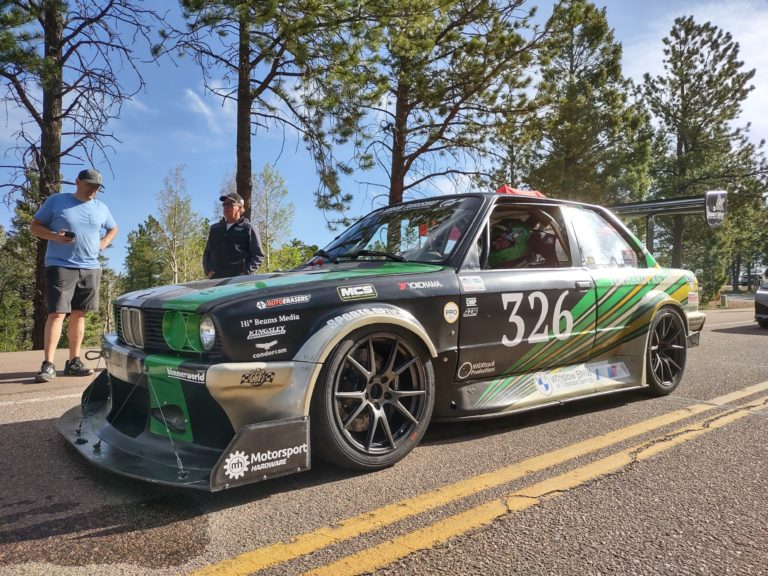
column 303, row 544
column 387, row 552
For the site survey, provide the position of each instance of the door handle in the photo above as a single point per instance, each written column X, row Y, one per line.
column 583, row 285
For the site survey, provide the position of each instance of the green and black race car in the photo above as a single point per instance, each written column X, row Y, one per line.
column 448, row 308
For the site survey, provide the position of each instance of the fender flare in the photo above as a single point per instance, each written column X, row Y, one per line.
column 338, row 325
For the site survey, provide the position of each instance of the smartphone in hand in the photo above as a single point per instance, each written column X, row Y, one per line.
column 69, row 234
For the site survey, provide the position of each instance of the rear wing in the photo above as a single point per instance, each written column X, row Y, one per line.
column 712, row 205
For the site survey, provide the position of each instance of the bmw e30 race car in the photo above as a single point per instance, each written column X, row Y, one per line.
column 448, row 308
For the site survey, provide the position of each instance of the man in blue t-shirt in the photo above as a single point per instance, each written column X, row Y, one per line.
column 73, row 225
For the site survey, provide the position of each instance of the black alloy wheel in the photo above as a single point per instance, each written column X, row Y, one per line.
column 374, row 401
column 667, row 352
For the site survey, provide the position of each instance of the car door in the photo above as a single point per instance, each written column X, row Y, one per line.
column 525, row 307
column 625, row 291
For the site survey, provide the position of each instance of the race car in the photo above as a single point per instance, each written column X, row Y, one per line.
column 449, row 308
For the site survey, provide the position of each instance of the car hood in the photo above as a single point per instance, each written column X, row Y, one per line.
column 202, row 295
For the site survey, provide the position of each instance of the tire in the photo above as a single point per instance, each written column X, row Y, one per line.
column 762, row 322
column 666, row 353
column 369, row 416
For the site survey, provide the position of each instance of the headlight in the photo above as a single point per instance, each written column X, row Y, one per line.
column 207, row 333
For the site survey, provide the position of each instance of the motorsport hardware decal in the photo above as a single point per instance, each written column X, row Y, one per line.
column 238, row 463
column 360, row 292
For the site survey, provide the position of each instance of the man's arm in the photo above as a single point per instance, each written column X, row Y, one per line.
column 207, row 264
column 255, row 250
column 40, row 230
column 106, row 240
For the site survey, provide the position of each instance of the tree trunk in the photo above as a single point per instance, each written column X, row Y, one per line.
column 50, row 149
column 399, row 135
column 243, row 177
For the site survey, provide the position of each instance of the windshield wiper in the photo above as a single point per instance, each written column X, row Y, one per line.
column 355, row 255
column 323, row 254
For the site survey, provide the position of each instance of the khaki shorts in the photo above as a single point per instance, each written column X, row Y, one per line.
column 70, row 289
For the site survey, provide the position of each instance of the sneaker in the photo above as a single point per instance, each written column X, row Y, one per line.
column 75, row 367
column 47, row 372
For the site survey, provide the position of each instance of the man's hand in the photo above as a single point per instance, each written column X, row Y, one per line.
column 62, row 237
column 209, row 275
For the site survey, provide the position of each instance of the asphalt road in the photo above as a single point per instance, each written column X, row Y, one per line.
column 624, row 484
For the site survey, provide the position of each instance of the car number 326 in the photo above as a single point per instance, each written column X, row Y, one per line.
column 538, row 304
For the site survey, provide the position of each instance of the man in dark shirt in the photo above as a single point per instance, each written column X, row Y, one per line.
column 234, row 246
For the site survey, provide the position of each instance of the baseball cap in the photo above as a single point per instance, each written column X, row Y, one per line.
column 233, row 197
column 91, row 176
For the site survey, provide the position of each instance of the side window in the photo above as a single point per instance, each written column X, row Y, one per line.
column 527, row 237
column 602, row 245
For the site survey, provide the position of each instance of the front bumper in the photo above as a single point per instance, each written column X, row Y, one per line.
column 695, row 324
column 170, row 421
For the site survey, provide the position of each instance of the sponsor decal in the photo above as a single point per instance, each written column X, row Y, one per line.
column 270, row 353
column 414, row 206
column 471, row 307
column 476, row 369
column 451, row 312
column 359, row 292
column 238, row 463
column 266, row 321
column 472, row 284
column 196, row 376
column 609, row 370
column 353, row 314
column 284, row 301
column 420, row 285
column 563, row 379
column 265, row 345
column 542, row 383
column 258, row 377
column 257, row 333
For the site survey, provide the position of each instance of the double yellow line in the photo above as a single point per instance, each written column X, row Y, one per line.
column 377, row 556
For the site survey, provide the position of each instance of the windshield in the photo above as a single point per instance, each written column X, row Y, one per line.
column 424, row 231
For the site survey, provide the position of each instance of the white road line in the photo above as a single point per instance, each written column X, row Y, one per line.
column 32, row 400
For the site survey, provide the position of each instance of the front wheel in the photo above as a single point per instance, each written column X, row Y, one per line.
column 373, row 400
column 667, row 351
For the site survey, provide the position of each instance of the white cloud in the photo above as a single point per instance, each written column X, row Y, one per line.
column 218, row 119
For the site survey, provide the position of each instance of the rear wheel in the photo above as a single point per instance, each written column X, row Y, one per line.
column 667, row 352
column 373, row 400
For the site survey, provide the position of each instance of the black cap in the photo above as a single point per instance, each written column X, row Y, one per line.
column 91, row 176
column 233, row 197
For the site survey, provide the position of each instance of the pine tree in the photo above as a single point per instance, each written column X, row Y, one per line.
column 589, row 141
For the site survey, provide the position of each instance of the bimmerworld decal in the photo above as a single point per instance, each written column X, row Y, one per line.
column 187, row 375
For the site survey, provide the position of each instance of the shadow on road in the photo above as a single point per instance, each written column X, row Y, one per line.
column 457, row 432
column 56, row 508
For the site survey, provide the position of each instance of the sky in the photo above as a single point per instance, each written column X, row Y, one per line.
column 174, row 122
